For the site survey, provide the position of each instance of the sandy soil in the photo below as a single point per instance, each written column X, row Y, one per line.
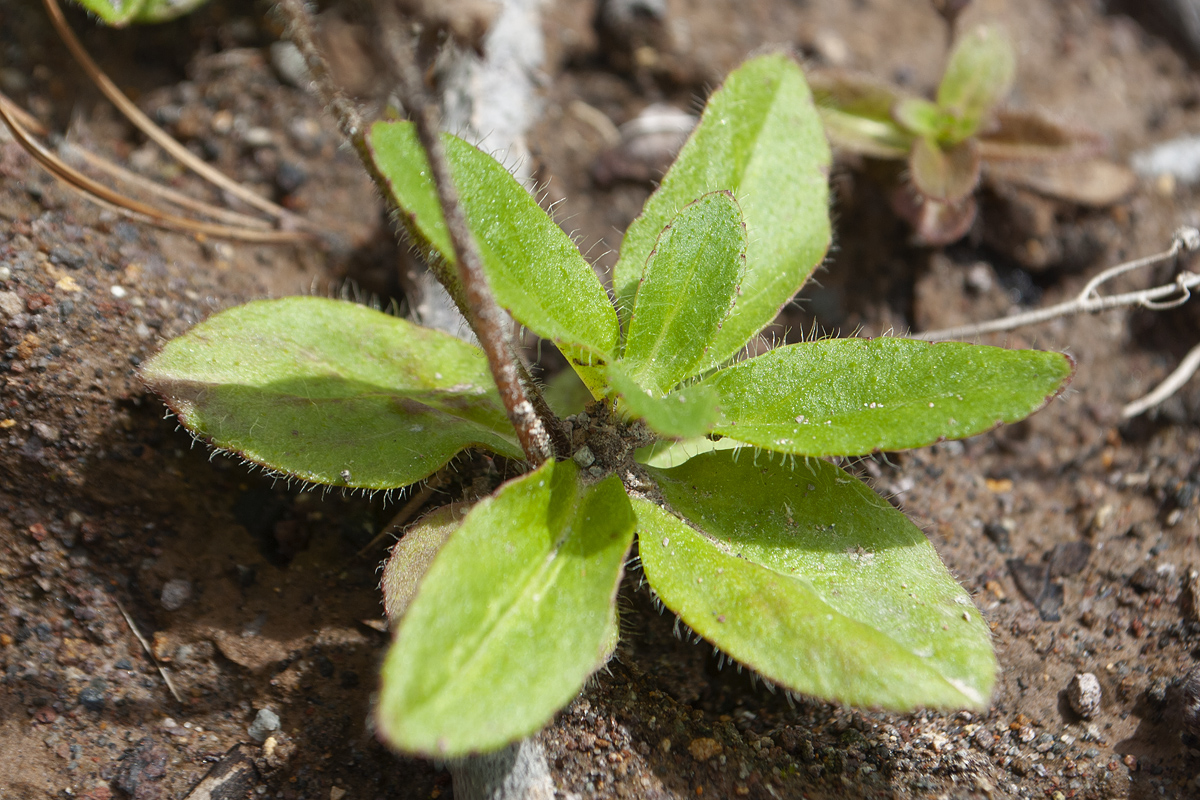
column 103, row 502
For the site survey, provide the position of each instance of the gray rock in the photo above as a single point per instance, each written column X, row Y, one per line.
column 175, row 593
column 265, row 723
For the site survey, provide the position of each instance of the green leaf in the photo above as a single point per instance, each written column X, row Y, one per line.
column 856, row 396
column 119, row 13
column 533, row 268
column 921, row 118
column 516, row 611
column 761, row 138
column 665, row 454
column 978, row 76
column 411, row 556
column 687, row 290
column 331, row 392
column 868, row 137
column 814, row 581
column 945, row 174
column 687, row 412
column 857, row 113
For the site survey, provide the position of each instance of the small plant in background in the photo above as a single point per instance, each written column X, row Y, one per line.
column 781, row 559
column 119, row 13
column 945, row 143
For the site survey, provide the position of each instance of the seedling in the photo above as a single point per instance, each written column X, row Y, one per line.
column 119, row 13
column 782, row 560
column 946, row 141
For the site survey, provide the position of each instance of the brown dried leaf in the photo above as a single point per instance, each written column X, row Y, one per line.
column 1095, row 183
column 1028, row 135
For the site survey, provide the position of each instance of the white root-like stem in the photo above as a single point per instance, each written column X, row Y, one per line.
column 1173, row 383
column 1090, row 301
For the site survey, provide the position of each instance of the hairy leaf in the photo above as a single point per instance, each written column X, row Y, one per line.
column 666, row 454
column 411, row 556
column 856, row 396
column 944, row 174
column 815, row 582
column 921, row 117
column 761, row 138
column 331, row 392
column 687, row 290
column 534, row 269
column 514, row 614
column 687, row 412
column 978, row 76
column 857, row 113
column 119, row 13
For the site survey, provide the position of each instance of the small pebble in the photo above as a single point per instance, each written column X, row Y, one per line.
column 175, row 593
column 11, row 304
column 584, row 457
column 265, row 723
column 92, row 697
column 1084, row 695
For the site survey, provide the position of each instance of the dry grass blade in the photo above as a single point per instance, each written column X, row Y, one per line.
column 166, row 676
column 103, row 195
column 157, row 134
column 116, row 171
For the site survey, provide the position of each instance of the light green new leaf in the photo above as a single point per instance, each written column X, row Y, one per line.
column 946, row 174
column 687, row 290
column 856, row 396
column 516, row 611
column 331, row 392
column 119, row 13
column 921, row 118
column 665, row 454
column 761, row 138
column 857, row 113
column 687, row 412
column 533, row 268
column 978, row 76
column 815, row 582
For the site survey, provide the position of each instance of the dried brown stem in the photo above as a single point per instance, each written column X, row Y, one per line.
column 488, row 320
column 157, row 134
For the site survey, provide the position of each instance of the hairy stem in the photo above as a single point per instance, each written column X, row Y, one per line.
column 488, row 320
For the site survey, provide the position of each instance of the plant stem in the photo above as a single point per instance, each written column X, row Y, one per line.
column 488, row 320
column 537, row 428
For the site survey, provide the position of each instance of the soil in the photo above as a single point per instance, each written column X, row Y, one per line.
column 1075, row 531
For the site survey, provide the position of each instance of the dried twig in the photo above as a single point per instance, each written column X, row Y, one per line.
column 490, row 323
column 166, row 676
column 1170, row 385
column 157, row 134
column 1169, row 295
column 104, row 196
column 527, row 410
